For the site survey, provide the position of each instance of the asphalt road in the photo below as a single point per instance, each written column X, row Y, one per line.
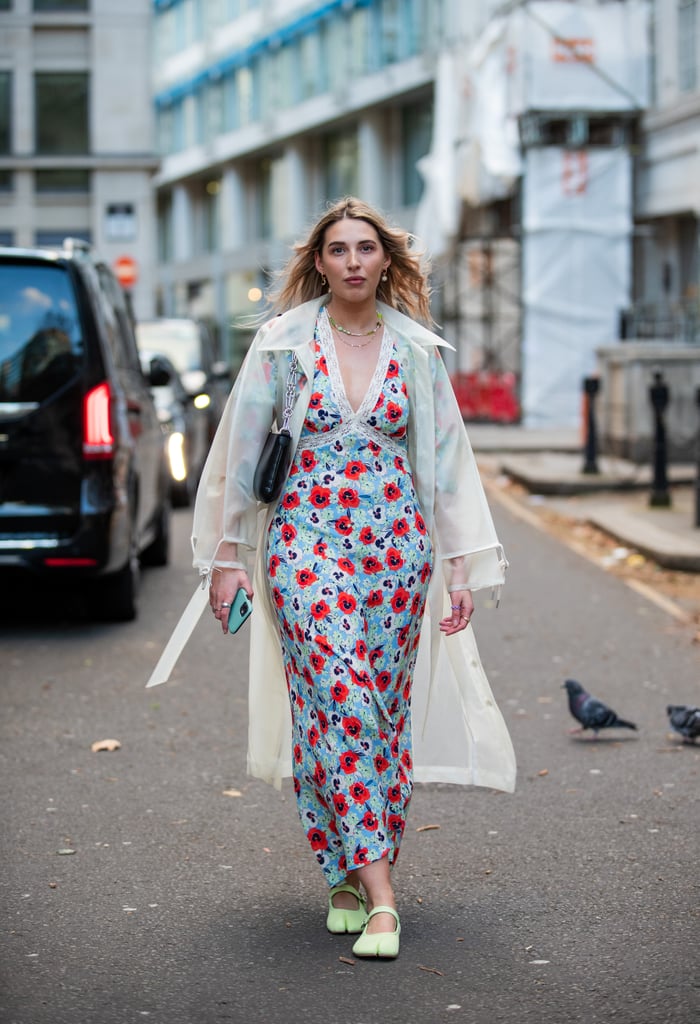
column 190, row 896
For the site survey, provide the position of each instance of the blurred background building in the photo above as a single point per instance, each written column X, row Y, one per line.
column 546, row 152
column 77, row 152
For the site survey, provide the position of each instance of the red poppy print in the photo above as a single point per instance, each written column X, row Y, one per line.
column 348, row 761
column 346, row 540
column 355, row 469
column 317, row 838
column 359, row 792
column 320, row 497
column 371, row 565
column 370, row 822
column 317, row 662
column 305, row 577
column 394, row 559
column 400, row 600
column 290, row 500
column 307, row 460
column 344, row 525
column 341, row 804
column 352, row 726
column 339, row 692
column 319, row 610
column 288, row 533
column 348, row 497
column 346, row 602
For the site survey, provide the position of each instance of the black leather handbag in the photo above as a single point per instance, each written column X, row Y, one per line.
column 276, row 456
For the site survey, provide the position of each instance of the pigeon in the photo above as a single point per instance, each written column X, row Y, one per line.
column 591, row 712
column 684, row 720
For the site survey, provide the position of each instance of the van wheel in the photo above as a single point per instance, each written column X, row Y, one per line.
column 116, row 594
column 158, row 551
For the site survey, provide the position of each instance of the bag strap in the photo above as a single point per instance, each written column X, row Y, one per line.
column 290, row 390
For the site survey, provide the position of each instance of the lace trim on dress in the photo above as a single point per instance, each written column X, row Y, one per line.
column 353, row 422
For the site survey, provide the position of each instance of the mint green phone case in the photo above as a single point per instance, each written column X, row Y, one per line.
column 241, row 608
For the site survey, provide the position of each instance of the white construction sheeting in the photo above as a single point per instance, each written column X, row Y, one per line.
column 578, row 56
column 576, row 273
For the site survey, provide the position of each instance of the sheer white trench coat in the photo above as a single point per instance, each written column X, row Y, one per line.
column 459, row 735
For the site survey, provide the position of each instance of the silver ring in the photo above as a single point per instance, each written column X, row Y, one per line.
column 225, row 604
column 464, row 618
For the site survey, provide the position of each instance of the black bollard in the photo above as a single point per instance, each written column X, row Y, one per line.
column 660, row 496
column 697, row 477
column 591, row 386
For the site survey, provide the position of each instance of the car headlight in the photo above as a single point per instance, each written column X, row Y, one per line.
column 176, row 456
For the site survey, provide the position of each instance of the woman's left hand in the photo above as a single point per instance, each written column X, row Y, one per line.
column 462, row 609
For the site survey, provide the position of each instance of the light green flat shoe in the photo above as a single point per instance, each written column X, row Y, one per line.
column 341, row 921
column 384, row 945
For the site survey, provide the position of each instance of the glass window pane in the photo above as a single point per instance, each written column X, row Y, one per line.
column 41, row 343
column 61, row 5
column 342, row 164
column 687, row 45
column 61, row 112
column 6, row 181
column 65, row 179
column 5, row 101
column 417, row 126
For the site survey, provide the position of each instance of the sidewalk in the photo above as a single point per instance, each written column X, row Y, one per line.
column 616, row 499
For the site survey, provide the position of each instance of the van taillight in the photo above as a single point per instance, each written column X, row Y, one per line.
column 98, row 440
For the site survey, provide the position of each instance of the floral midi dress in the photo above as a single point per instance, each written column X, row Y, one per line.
column 349, row 564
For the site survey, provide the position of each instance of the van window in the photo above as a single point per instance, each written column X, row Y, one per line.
column 41, row 341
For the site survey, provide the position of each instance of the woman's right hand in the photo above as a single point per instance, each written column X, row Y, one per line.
column 225, row 584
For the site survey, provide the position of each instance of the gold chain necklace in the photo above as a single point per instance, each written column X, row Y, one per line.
column 356, row 334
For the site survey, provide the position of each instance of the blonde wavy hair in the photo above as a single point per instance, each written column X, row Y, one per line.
column 406, row 288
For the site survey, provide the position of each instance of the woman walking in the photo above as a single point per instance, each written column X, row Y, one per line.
column 362, row 658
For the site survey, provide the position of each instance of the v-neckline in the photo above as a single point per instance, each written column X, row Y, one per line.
column 376, row 383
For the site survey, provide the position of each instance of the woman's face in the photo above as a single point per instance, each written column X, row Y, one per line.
column 353, row 259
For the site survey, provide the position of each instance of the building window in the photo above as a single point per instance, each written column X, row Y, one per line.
column 342, row 164
column 55, row 239
column 64, row 179
column 165, row 227
column 6, row 181
column 416, row 133
column 61, row 116
column 687, row 45
column 210, row 215
column 269, row 176
column 5, row 5
column 5, row 111
column 61, row 5
column 6, row 237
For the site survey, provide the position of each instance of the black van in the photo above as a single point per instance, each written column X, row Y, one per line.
column 84, row 490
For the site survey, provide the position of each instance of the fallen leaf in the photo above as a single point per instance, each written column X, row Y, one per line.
column 53, row 885
column 109, row 745
column 347, row 960
column 427, row 828
column 231, row 792
column 543, row 771
column 65, row 852
column 431, row 970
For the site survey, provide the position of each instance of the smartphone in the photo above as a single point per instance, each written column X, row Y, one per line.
column 240, row 609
